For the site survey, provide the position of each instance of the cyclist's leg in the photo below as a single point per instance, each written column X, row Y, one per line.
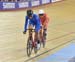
column 37, row 31
column 30, row 32
column 41, row 34
column 30, row 27
column 45, row 31
column 37, row 36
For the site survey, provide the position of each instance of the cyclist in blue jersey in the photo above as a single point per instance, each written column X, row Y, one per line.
column 33, row 20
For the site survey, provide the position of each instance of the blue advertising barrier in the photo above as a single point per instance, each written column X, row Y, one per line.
column 1, row 5
column 17, row 5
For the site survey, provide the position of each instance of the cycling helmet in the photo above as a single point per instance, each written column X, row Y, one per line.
column 29, row 13
column 41, row 11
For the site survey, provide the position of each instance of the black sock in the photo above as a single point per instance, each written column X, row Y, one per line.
column 38, row 41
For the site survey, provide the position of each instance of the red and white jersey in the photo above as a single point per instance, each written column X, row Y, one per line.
column 44, row 20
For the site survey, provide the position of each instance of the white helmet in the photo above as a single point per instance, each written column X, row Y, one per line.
column 41, row 11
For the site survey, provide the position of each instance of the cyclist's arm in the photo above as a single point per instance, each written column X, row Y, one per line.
column 26, row 23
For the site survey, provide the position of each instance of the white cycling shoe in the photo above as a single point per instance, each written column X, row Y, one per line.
column 38, row 46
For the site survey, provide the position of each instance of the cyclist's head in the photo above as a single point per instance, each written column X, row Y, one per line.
column 41, row 12
column 29, row 13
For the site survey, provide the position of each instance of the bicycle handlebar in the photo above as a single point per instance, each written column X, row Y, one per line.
column 31, row 30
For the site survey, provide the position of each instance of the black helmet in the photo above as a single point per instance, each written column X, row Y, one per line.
column 29, row 12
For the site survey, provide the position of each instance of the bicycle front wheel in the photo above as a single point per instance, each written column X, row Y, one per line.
column 29, row 47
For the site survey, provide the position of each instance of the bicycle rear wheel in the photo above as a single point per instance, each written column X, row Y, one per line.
column 29, row 47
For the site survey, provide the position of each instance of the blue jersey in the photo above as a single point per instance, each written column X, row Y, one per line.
column 35, row 21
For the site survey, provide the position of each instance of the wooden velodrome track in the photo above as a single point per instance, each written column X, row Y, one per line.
column 61, row 31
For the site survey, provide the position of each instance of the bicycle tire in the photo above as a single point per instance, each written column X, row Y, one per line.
column 29, row 47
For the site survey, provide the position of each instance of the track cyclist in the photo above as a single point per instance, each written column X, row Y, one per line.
column 32, row 20
column 44, row 22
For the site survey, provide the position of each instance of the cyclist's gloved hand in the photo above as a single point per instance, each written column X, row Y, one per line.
column 24, row 32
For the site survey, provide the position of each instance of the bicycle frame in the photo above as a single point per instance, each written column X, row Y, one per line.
column 32, row 42
column 31, row 36
column 43, row 37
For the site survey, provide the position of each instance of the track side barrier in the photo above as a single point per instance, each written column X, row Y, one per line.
column 27, row 4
